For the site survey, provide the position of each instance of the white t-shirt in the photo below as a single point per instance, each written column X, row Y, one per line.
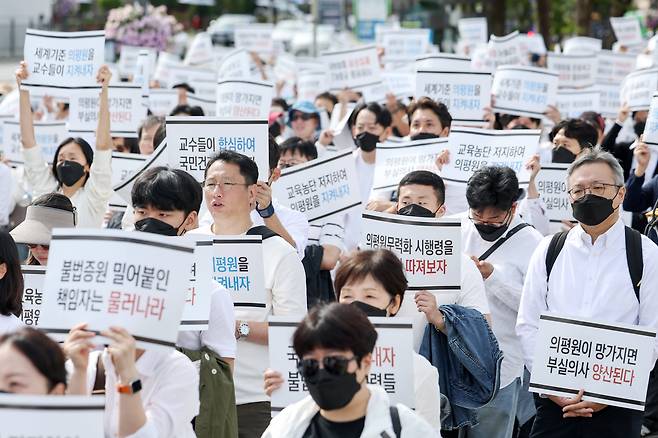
column 426, row 388
column 366, row 173
column 9, row 323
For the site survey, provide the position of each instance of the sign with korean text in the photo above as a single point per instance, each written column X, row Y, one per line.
column 209, row 106
column 473, row 31
column 443, row 62
column 401, row 83
column 576, row 71
column 255, row 38
column 202, row 80
column 192, row 140
column 572, row 103
column 405, row 45
column 610, row 361
column 237, row 264
column 117, row 278
column 162, row 101
column 627, row 30
column 508, row 49
column 613, row 67
column 48, row 136
column 524, row 91
column 58, row 61
column 239, row 99
column 638, row 87
column 68, row 416
column 392, row 361
column 33, row 281
column 581, row 44
column 551, row 183
column 430, row 249
column 352, row 68
column 609, row 101
column 651, row 127
column 196, row 312
column 129, row 57
column 472, row 148
column 235, row 64
column 124, row 165
column 200, row 51
column 320, row 188
column 159, row 157
column 395, row 160
column 310, row 83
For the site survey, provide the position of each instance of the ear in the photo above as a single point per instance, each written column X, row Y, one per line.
column 445, row 132
column 621, row 194
column 386, row 134
column 514, row 207
column 58, row 389
column 276, row 174
column 3, row 270
column 366, row 363
column 441, row 211
column 395, row 305
column 252, row 195
column 191, row 222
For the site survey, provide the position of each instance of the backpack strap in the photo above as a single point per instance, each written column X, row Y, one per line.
column 261, row 230
column 502, row 240
column 634, row 258
column 554, row 248
column 395, row 419
column 99, row 379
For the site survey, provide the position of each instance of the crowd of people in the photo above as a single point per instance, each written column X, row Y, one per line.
column 473, row 348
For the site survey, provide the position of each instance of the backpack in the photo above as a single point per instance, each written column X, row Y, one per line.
column 261, row 230
column 633, row 255
column 395, row 419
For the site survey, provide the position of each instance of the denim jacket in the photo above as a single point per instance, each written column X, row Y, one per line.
column 468, row 360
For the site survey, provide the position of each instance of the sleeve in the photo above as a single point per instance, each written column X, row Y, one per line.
column 333, row 233
column 610, row 139
column 37, row 172
column 472, row 294
column 533, row 211
column 413, row 425
column 533, row 301
column 648, row 290
column 289, row 288
column 298, row 227
column 220, row 336
column 428, row 400
column 99, row 185
column 639, row 196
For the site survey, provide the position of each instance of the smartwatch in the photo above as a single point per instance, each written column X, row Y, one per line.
column 267, row 212
column 131, row 388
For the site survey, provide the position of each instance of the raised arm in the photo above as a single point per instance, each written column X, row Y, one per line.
column 103, row 136
column 26, row 119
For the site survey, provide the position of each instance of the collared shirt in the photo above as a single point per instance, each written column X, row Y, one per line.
column 588, row 281
column 9, row 323
column 366, row 174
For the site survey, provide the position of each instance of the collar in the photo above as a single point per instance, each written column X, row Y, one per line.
column 613, row 238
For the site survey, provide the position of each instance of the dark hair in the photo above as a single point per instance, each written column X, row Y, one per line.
column 303, row 147
column 52, row 200
column 502, row 120
column 275, row 153
column 248, row 167
column 11, row 285
column 84, row 147
column 280, row 102
column 131, row 144
column 595, row 119
column 181, row 109
column 384, row 266
column 579, row 130
column 167, row 189
column 492, row 186
column 438, row 108
column 425, row 178
column 335, row 326
column 44, row 353
column 382, row 115
column 159, row 136
column 327, row 95
column 197, row 111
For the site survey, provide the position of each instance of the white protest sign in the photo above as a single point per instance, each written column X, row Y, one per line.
column 374, row 92
column 572, row 103
column 196, row 77
column 352, row 68
column 473, row 31
column 209, row 106
column 311, row 83
column 33, row 281
column 610, row 361
column 117, row 278
column 200, row 50
column 320, row 188
column 162, row 68
column 466, row 93
column 392, row 360
column 401, row 83
column 551, row 183
column 576, row 71
column 508, row 50
column 614, row 66
column 255, row 38
column 395, row 160
column 651, row 126
column 196, row 312
column 162, row 101
column 128, row 58
column 235, row 64
column 429, row 248
column 48, row 136
column 124, row 165
column 143, row 71
column 443, row 62
column 126, row 110
column 192, row 140
column 582, row 45
column 58, row 61
column 159, row 157
column 46, row 416
column 472, row 148
column 627, row 30
column 638, row 87
column 405, row 45
column 237, row 264
column 524, row 91
column 609, row 101
column 240, row 99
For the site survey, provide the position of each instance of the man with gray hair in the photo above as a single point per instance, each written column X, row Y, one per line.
column 590, row 281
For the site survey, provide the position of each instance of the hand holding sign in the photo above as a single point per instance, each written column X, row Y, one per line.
column 122, row 349
column 575, row 407
column 21, row 73
column 426, row 303
column 78, row 345
column 104, row 76
column 642, row 155
column 273, row 381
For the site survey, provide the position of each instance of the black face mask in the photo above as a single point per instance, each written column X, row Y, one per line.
column 423, row 136
column 591, row 209
column 332, row 392
column 69, row 172
column 416, row 210
column 368, row 309
column 491, row 233
column 366, row 141
column 156, row 226
column 638, row 127
column 563, row 155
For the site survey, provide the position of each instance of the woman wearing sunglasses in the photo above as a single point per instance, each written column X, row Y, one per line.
column 334, row 344
column 11, row 285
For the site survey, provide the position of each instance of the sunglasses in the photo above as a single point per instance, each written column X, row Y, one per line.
column 336, row 365
column 302, row 116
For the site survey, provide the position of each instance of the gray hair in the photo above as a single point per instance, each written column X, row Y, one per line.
column 598, row 155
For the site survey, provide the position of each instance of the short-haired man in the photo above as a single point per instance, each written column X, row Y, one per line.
column 570, row 138
column 428, row 119
column 589, row 279
column 231, row 193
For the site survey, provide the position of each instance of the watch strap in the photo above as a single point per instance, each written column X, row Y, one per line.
column 266, row 212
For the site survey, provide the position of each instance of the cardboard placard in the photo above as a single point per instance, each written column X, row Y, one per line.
column 572, row 103
column 524, row 91
column 627, row 30
column 576, row 71
column 196, row 313
column 551, row 183
column 237, row 264
column 124, row 165
column 48, row 136
column 34, row 278
column 638, row 87
column 240, row 99
column 352, row 68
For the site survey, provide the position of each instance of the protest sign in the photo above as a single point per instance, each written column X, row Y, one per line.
column 237, row 264
column 576, row 71
column 651, row 127
column 613, row 67
column 192, row 140
column 143, row 72
column 58, row 61
column 45, row 416
column 255, row 38
column 572, row 103
column 126, row 110
column 48, row 136
column 638, row 87
column 392, row 360
column 508, row 50
column 609, row 102
column 310, row 83
column 473, row 31
column 352, row 68
column 201, row 79
column 165, row 62
column 239, row 99
column 374, row 92
column 405, row 45
column 124, row 165
column 429, row 248
column 443, row 62
column 395, row 160
column 320, row 188
column 466, row 93
column 401, row 83
column 162, row 101
column 159, row 157
column 236, row 64
column 200, row 50
column 524, row 91
column 209, row 106
column 196, row 312
column 116, row 278
column 610, row 361
column 472, row 148
column 627, row 30
column 33, row 281
column 551, row 183
column 128, row 59
column 581, row 45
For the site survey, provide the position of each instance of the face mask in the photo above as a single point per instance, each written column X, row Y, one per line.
column 368, row 309
column 69, row 172
column 156, row 226
column 562, row 155
column 332, row 392
column 423, row 136
column 591, row 209
column 366, row 141
column 638, row 127
column 416, row 210
column 490, row 232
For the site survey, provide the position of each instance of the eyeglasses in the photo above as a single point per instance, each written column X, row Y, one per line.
column 336, row 365
column 303, row 116
column 211, row 186
column 597, row 189
column 495, row 224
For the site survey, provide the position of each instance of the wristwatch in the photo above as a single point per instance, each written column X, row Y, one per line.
column 266, row 212
column 131, row 388
column 243, row 330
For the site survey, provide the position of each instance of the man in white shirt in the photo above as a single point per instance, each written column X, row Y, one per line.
column 589, row 279
column 231, row 193
column 501, row 245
